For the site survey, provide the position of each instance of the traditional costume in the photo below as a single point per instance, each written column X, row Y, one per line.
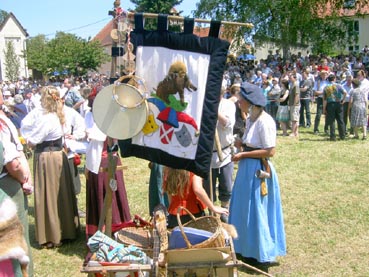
column 56, row 214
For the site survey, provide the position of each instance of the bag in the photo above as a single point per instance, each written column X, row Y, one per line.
column 77, row 159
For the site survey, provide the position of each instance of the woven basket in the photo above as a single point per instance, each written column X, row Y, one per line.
column 208, row 223
column 137, row 236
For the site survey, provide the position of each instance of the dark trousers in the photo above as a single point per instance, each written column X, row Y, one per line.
column 335, row 112
column 224, row 176
column 319, row 111
column 305, row 108
column 273, row 108
column 346, row 117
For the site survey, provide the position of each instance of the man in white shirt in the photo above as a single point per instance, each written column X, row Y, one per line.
column 221, row 164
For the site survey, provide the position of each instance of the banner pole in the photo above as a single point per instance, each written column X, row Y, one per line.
column 199, row 20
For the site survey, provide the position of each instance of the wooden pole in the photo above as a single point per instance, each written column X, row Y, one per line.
column 199, row 20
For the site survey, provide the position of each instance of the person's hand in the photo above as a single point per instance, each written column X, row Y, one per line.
column 27, row 188
column 71, row 137
column 236, row 157
column 220, row 210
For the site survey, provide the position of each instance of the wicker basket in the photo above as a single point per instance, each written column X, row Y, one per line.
column 138, row 236
column 207, row 223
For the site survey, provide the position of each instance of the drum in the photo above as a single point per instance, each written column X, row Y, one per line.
column 120, row 110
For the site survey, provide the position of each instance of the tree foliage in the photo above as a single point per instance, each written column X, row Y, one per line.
column 288, row 23
column 12, row 63
column 64, row 52
column 3, row 15
column 155, row 6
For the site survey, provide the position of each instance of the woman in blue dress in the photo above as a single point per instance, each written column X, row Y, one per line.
column 255, row 208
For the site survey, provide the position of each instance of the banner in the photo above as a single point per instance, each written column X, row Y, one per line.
column 183, row 75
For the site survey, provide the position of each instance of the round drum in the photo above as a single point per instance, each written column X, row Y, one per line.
column 120, row 111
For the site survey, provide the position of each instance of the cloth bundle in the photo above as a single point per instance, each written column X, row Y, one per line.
column 108, row 250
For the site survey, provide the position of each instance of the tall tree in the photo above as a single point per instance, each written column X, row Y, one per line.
column 12, row 63
column 64, row 52
column 3, row 15
column 289, row 23
column 155, row 6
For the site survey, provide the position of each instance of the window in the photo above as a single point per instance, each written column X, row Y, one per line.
column 349, row 4
column 353, row 28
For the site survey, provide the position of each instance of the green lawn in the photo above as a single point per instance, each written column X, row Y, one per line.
column 325, row 194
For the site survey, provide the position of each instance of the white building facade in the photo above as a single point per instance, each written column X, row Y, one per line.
column 11, row 30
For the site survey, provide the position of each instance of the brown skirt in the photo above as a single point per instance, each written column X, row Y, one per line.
column 56, row 213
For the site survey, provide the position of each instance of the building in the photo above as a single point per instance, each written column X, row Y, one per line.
column 11, row 30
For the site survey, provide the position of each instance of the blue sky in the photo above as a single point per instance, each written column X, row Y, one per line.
column 81, row 17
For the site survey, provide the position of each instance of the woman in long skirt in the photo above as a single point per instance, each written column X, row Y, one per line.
column 255, row 208
column 56, row 213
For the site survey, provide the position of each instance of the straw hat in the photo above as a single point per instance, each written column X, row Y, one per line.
column 120, row 111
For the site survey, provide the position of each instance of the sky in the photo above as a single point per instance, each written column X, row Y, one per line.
column 80, row 17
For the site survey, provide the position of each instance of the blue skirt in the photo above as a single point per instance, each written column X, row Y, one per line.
column 258, row 219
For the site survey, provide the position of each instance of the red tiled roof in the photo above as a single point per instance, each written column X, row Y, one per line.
column 104, row 35
column 345, row 12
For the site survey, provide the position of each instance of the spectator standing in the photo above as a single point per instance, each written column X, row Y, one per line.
column 19, row 111
column 72, row 97
column 283, row 113
column 334, row 96
column 56, row 214
column 347, row 85
column 273, row 97
column 357, row 107
column 320, row 84
column 306, row 92
column 294, row 104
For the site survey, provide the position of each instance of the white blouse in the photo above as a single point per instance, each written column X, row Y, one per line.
column 39, row 126
column 260, row 134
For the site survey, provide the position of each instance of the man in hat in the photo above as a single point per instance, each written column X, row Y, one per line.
column 320, row 84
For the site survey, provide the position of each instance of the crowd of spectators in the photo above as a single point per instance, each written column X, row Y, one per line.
column 310, row 74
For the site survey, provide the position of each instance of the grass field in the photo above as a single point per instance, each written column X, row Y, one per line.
column 325, row 194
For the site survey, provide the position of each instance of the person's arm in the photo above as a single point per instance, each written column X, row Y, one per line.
column 18, row 168
column 202, row 195
column 284, row 96
column 255, row 154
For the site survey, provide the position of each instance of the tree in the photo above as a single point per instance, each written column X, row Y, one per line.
column 12, row 63
column 287, row 23
column 3, row 16
column 65, row 52
column 36, row 54
column 155, row 6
